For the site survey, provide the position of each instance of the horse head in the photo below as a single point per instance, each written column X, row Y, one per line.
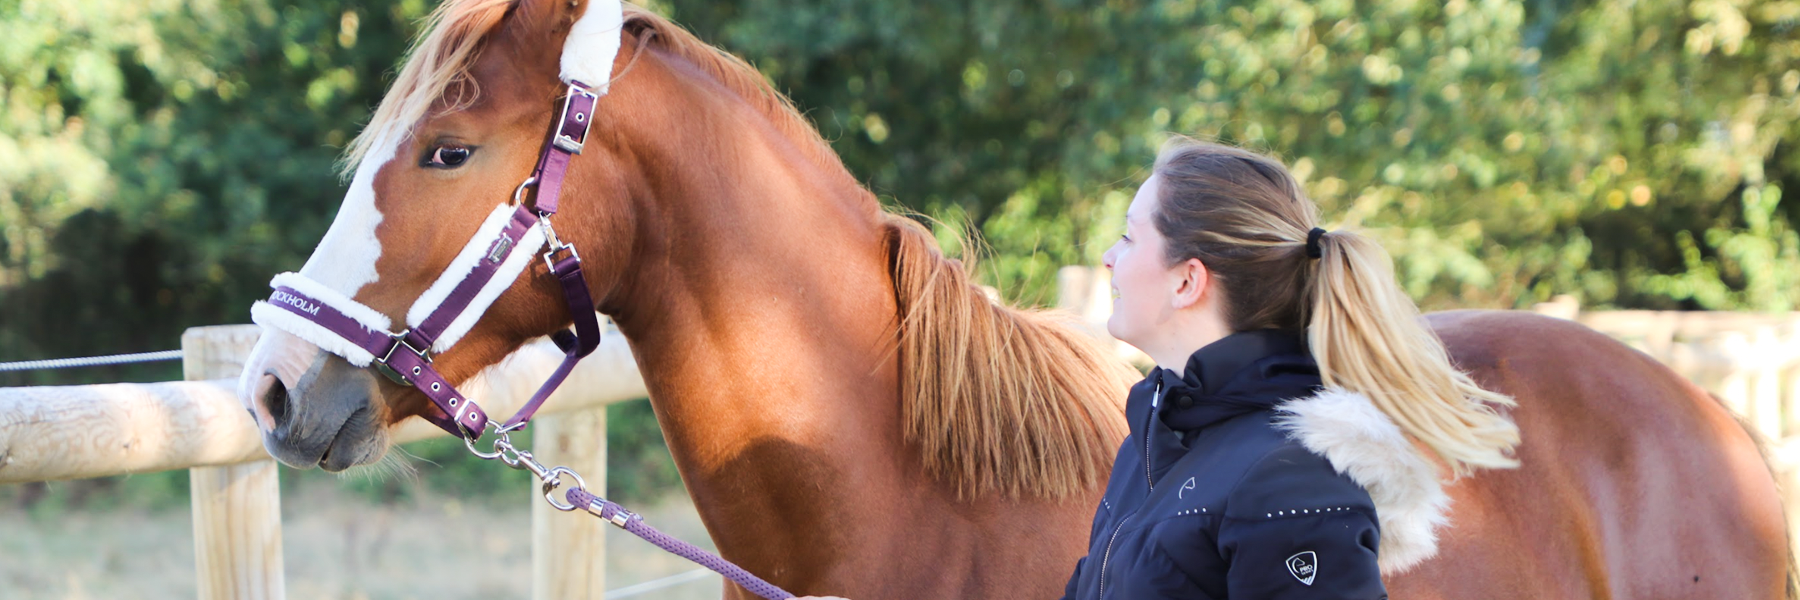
column 435, row 172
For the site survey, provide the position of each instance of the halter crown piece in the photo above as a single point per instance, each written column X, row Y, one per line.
column 500, row 250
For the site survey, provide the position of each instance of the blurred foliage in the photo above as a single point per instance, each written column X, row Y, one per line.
column 160, row 159
column 1628, row 152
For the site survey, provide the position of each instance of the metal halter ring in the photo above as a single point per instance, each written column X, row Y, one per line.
column 519, row 192
column 552, row 479
column 469, row 441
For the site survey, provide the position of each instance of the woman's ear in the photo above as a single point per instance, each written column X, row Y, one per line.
column 1192, row 280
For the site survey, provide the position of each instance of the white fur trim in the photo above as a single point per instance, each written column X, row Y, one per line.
column 1362, row 442
column 524, row 250
column 592, row 45
column 345, row 258
column 274, row 317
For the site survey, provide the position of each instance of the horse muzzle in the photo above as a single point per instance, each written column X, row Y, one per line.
column 325, row 415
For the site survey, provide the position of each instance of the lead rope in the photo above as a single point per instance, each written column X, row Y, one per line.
column 578, row 496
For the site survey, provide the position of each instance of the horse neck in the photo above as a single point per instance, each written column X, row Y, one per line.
column 760, row 310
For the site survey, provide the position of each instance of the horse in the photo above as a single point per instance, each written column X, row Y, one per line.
column 851, row 414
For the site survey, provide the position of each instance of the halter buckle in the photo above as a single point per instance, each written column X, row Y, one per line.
column 382, row 366
column 400, row 340
column 583, row 120
column 392, row 375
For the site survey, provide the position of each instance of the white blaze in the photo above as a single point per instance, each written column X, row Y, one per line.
column 343, row 263
column 345, row 258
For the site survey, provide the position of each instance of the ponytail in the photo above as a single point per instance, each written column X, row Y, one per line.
column 1368, row 337
column 1246, row 218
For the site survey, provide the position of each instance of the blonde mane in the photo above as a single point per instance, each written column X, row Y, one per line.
column 997, row 400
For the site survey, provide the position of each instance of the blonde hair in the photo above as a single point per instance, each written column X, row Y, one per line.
column 1246, row 218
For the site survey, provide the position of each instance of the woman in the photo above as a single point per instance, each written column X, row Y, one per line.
column 1273, row 339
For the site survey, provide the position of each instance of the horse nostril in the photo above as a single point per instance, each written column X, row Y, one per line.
column 276, row 401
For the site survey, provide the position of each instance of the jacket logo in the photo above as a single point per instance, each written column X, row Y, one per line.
column 1304, row 566
column 1188, row 485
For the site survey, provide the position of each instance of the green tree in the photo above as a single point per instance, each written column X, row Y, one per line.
column 160, row 160
column 1503, row 150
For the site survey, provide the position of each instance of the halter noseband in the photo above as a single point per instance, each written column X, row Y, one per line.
column 485, row 268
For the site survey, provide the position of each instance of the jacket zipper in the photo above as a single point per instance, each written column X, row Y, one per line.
column 1155, row 398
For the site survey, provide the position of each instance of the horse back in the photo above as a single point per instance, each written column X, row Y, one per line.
column 1634, row 482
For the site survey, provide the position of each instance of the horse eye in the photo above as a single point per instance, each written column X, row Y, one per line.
column 449, row 156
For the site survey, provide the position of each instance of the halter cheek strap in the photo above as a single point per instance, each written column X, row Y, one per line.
column 493, row 259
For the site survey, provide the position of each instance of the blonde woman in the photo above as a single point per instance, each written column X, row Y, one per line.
column 1257, row 317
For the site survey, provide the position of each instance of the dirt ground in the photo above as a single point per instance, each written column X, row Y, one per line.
column 336, row 546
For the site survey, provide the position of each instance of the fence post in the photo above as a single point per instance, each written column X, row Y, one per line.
column 237, row 508
column 568, row 550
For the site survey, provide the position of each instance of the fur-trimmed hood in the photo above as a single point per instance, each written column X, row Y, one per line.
column 1364, row 444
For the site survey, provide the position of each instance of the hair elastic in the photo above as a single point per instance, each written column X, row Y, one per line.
column 1313, row 250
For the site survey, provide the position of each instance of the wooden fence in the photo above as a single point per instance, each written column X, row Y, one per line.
column 51, row 433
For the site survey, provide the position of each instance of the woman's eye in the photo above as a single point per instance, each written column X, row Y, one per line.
column 448, row 156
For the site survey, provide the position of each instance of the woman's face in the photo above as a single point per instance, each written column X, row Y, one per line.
column 1143, row 282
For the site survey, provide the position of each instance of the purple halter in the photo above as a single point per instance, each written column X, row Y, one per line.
column 405, row 356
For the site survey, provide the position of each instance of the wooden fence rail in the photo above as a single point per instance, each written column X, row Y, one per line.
column 66, row 432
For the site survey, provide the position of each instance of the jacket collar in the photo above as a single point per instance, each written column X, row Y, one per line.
column 1243, row 372
column 1211, row 367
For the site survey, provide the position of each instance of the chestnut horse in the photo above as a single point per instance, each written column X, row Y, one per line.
column 852, row 416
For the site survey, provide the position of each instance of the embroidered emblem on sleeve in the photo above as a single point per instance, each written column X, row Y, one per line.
column 1304, row 566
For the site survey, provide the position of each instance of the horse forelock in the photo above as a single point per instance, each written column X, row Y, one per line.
column 439, row 60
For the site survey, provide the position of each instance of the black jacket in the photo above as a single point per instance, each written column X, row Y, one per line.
column 1209, row 500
